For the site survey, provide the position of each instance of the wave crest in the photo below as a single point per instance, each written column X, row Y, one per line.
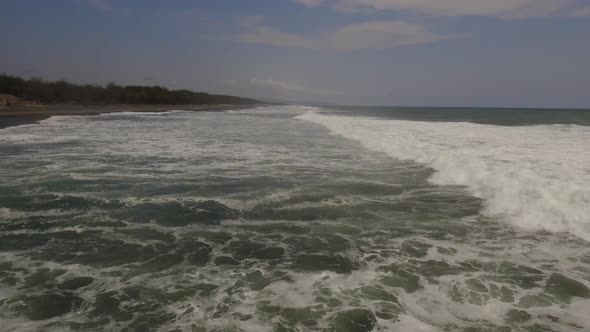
column 536, row 177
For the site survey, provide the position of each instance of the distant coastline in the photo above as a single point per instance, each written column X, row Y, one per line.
column 24, row 101
column 37, row 91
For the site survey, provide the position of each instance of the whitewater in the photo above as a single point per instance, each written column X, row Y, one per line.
column 535, row 177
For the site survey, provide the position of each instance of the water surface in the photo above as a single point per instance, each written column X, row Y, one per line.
column 295, row 219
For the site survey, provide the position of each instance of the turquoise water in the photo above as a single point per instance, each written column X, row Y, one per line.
column 289, row 218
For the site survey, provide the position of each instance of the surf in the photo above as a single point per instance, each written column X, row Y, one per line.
column 534, row 177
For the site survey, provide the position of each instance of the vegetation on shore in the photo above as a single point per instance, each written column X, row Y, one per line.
column 59, row 92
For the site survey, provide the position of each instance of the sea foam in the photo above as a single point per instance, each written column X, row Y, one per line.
column 536, row 177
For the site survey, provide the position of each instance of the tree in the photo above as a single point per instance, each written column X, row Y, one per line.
column 36, row 89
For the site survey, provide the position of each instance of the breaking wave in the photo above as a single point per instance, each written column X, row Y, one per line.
column 536, row 177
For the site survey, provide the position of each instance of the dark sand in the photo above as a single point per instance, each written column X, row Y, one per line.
column 27, row 115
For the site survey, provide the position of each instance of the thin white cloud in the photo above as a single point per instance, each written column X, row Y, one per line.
column 490, row 8
column 582, row 12
column 368, row 35
column 290, row 87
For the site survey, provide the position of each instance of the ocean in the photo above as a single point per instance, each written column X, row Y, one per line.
column 295, row 218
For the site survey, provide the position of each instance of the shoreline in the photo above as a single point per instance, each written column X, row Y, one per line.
column 19, row 116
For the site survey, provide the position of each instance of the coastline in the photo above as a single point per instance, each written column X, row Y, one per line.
column 18, row 116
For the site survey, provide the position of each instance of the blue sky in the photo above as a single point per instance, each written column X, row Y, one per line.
column 531, row 53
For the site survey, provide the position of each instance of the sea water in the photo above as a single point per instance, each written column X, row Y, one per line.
column 291, row 218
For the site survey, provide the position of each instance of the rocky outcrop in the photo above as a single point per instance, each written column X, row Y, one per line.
column 9, row 101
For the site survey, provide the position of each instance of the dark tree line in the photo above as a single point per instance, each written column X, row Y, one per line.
column 63, row 92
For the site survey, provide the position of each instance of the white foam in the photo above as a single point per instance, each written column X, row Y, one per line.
column 6, row 213
column 536, row 177
column 411, row 324
column 148, row 113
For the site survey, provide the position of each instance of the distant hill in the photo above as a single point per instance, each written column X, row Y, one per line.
column 61, row 92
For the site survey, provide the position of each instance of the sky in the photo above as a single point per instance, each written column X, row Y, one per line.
column 495, row 53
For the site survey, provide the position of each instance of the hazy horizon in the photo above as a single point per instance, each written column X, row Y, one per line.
column 452, row 53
